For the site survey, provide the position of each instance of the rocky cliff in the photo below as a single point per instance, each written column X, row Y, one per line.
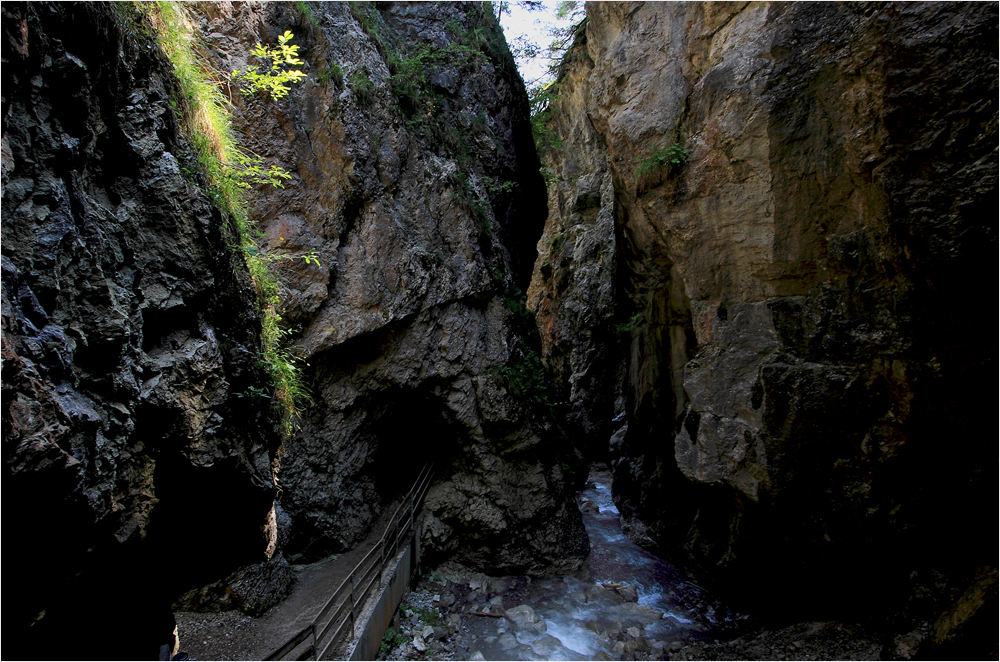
column 133, row 469
column 803, row 203
column 416, row 182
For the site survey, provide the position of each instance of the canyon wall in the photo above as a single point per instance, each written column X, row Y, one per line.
column 768, row 230
column 416, row 183
column 810, row 368
column 133, row 469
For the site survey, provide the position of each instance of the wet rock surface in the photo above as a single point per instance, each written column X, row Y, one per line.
column 793, row 293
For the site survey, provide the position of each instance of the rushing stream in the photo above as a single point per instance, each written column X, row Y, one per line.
column 633, row 601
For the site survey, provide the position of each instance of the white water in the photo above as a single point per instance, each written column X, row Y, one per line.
column 668, row 609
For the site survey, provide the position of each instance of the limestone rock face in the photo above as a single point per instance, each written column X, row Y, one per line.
column 416, row 183
column 573, row 287
column 803, row 289
column 133, row 471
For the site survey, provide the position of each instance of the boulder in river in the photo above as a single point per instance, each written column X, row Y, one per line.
column 507, row 641
column 546, row 646
column 627, row 592
column 524, row 618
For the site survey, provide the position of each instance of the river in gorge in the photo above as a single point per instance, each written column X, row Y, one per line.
column 632, row 602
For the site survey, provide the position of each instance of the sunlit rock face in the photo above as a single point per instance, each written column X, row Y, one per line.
column 132, row 469
column 415, row 181
column 807, row 358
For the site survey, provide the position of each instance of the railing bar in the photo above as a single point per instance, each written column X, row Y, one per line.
column 374, row 566
column 354, row 609
column 422, row 482
column 332, row 601
column 333, row 640
column 404, row 526
column 411, row 502
column 420, row 478
column 364, row 593
column 290, row 644
column 368, row 555
column 426, row 483
column 396, row 514
column 345, row 584
column 336, row 613
column 336, row 620
column 424, row 476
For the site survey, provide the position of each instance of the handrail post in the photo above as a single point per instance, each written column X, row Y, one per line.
column 315, row 651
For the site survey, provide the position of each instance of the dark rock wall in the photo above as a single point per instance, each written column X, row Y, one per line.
column 810, row 373
column 424, row 207
column 133, row 471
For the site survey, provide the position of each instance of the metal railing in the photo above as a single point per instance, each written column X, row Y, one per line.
column 342, row 608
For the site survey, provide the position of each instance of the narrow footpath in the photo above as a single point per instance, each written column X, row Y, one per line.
column 232, row 635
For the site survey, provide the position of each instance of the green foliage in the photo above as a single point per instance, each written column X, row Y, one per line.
column 494, row 187
column 131, row 21
column 557, row 242
column 248, row 169
column 425, row 614
column 362, row 86
column 202, row 110
column 308, row 257
column 481, row 210
column 390, row 641
column 487, row 37
column 410, row 83
column 204, row 113
column 284, row 369
column 548, row 176
column 270, row 77
column 626, row 328
column 526, row 378
column 371, row 21
column 334, row 72
column 365, row 14
column 429, row 616
column 522, row 318
column 573, row 21
column 569, row 9
column 306, row 12
column 541, row 100
column 671, row 157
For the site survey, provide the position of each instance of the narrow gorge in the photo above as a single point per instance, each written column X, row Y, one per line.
column 723, row 291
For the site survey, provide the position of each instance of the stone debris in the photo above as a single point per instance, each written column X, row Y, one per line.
column 524, row 618
column 627, row 592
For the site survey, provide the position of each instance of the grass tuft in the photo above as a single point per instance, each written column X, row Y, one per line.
column 205, row 114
